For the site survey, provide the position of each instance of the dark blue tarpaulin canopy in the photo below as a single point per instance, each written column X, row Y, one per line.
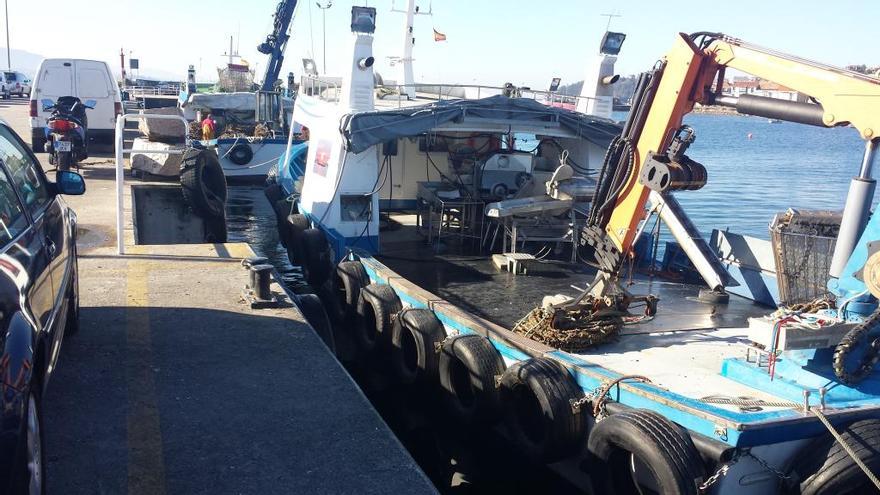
column 363, row 130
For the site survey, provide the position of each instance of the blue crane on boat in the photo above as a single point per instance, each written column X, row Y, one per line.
column 276, row 42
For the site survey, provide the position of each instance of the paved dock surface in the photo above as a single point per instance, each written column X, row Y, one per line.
column 175, row 385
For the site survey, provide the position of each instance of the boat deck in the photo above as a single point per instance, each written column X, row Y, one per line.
column 462, row 276
column 689, row 351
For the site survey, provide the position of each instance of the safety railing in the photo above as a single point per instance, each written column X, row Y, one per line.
column 321, row 88
column 120, row 165
column 136, row 91
column 328, row 90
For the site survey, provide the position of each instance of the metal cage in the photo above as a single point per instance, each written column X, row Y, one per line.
column 803, row 245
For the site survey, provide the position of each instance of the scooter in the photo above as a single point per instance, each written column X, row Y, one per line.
column 67, row 131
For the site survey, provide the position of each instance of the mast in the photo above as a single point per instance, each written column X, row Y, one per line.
column 406, row 68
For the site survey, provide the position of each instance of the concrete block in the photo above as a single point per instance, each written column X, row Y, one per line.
column 156, row 163
column 163, row 130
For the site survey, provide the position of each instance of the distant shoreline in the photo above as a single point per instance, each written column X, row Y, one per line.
column 715, row 110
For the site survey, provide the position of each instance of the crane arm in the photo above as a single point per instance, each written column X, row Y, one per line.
column 653, row 141
column 276, row 42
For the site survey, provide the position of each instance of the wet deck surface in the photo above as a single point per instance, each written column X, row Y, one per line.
column 471, row 282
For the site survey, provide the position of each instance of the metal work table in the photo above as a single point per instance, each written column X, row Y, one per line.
column 444, row 210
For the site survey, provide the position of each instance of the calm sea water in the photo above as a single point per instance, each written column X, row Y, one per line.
column 781, row 166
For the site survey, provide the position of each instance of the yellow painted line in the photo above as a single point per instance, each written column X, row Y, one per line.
column 146, row 468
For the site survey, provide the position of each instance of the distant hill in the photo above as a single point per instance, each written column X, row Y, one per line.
column 623, row 88
column 22, row 61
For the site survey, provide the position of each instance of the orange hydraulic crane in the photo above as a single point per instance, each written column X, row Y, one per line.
column 650, row 153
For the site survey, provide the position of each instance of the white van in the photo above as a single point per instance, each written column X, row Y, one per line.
column 85, row 79
column 16, row 84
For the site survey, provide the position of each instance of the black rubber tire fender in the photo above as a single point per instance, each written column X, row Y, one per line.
column 241, row 154
column 317, row 259
column 215, row 229
column 824, row 468
column 414, row 334
column 296, row 223
column 351, row 278
column 203, row 182
column 662, row 446
column 377, row 305
column 537, row 394
column 313, row 309
column 468, row 367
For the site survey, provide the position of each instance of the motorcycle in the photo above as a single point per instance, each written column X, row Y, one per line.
column 67, row 131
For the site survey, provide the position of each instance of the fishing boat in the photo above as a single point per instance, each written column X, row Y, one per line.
column 502, row 275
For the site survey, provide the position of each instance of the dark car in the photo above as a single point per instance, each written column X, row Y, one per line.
column 39, row 302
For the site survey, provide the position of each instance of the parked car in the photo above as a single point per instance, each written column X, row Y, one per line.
column 39, row 302
column 16, row 84
column 84, row 79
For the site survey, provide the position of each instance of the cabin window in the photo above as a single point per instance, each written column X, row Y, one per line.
column 355, row 207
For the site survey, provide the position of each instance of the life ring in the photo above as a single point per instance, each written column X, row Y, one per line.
column 240, row 154
column 824, row 468
column 469, row 365
column 377, row 305
column 351, row 278
column 313, row 310
column 295, row 224
column 317, row 259
column 413, row 336
column 643, row 438
column 203, row 183
column 536, row 394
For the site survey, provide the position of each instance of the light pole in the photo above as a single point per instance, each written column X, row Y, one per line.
column 8, row 50
column 324, row 29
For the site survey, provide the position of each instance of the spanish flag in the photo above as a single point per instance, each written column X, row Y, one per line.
column 438, row 36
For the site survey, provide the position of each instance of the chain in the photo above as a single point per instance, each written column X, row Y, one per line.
column 719, row 473
column 779, row 474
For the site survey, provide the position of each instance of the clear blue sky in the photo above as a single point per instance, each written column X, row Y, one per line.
column 489, row 41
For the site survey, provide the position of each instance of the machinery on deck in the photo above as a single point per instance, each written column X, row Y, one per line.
column 648, row 159
column 276, row 42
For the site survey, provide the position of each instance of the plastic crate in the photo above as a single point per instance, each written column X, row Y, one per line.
column 803, row 245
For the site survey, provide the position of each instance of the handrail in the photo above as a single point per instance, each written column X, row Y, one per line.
column 151, row 91
column 120, row 165
column 319, row 87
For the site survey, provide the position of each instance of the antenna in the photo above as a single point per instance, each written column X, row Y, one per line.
column 609, row 16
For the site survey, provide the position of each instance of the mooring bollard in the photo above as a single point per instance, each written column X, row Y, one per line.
column 259, row 281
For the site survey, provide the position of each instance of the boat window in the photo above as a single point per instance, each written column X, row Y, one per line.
column 23, row 169
column 12, row 219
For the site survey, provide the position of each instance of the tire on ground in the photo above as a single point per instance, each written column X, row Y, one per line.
column 536, row 395
column 659, row 444
column 414, row 334
column 203, row 183
column 317, row 262
column 824, row 468
column 38, row 141
column 351, row 278
column 468, row 367
column 377, row 305
column 311, row 307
